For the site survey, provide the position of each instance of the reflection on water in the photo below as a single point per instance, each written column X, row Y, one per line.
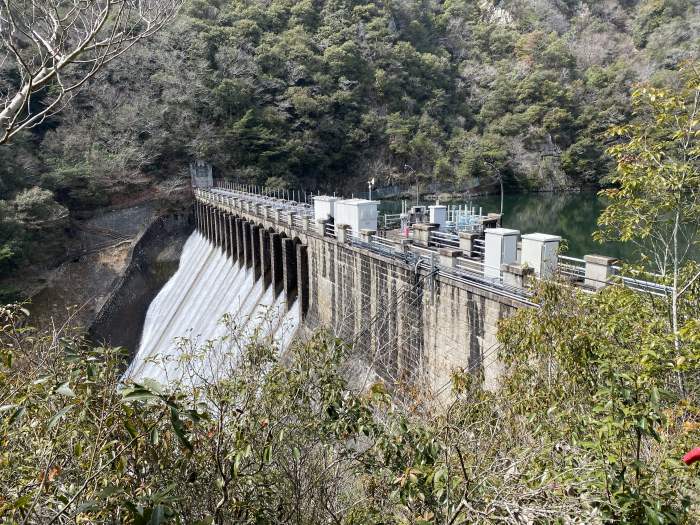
column 571, row 215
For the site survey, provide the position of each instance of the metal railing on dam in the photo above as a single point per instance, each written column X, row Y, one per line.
column 415, row 308
column 300, row 216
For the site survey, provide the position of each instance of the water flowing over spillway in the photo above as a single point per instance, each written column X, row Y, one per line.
column 188, row 312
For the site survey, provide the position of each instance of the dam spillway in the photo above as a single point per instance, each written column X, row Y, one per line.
column 414, row 310
column 187, row 316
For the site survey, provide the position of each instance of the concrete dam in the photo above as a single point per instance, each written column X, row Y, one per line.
column 416, row 303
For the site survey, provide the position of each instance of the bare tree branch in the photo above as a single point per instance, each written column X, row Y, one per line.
column 50, row 48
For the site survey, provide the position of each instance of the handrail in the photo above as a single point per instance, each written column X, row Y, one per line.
column 571, row 267
column 391, row 219
column 571, row 259
column 649, row 287
column 442, row 239
column 466, row 270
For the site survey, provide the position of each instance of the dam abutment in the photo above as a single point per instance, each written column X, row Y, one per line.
column 153, row 260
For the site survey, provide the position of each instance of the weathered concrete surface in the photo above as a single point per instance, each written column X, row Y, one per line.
column 413, row 327
column 101, row 247
column 408, row 326
column 78, row 289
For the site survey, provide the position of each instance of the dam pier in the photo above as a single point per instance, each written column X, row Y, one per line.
column 416, row 303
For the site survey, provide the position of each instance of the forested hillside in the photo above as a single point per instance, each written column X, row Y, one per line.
column 327, row 93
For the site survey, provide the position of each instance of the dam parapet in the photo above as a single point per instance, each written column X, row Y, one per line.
column 416, row 303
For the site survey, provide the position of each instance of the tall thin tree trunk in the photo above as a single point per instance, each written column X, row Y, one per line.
column 674, row 302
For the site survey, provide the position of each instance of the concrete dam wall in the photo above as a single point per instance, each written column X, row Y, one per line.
column 414, row 310
column 410, row 323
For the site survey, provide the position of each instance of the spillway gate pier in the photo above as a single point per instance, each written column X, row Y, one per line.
column 414, row 308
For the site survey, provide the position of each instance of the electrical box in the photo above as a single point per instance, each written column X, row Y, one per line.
column 417, row 214
column 324, row 207
column 501, row 247
column 539, row 251
column 359, row 214
column 438, row 215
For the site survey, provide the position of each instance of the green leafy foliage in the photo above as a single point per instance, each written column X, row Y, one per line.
column 589, row 426
column 602, row 369
column 326, row 95
column 655, row 200
column 656, row 184
column 32, row 219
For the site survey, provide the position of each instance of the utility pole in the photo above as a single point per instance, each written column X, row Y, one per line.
column 498, row 178
column 406, row 166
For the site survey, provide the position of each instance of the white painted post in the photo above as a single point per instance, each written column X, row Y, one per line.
column 448, row 257
column 341, row 233
column 466, row 242
column 366, row 235
column 421, row 233
column 404, row 246
column 501, row 247
column 516, row 275
column 599, row 270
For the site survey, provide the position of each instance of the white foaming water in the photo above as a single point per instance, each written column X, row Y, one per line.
column 206, row 286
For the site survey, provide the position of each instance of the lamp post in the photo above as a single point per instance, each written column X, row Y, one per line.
column 405, row 167
column 498, row 177
column 370, row 183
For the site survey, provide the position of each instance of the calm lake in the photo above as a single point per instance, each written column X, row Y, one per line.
column 570, row 215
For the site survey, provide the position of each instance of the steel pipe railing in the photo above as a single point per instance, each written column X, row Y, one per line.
column 466, row 270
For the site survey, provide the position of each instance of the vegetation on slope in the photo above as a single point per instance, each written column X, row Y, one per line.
column 328, row 94
column 589, row 427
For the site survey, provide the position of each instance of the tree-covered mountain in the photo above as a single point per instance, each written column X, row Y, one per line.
column 324, row 94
